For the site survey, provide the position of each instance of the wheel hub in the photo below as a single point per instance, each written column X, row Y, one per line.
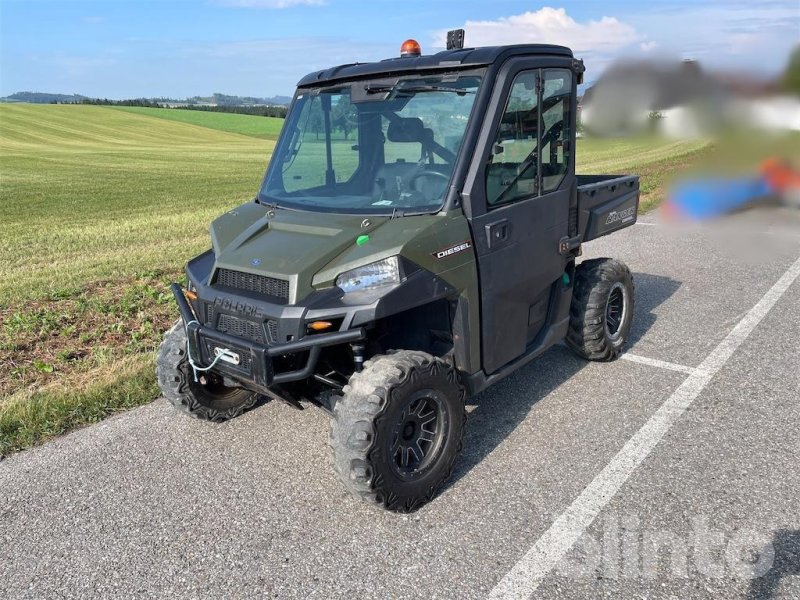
column 409, row 430
column 418, row 434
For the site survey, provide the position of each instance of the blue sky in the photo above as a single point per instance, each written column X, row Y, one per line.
column 119, row 49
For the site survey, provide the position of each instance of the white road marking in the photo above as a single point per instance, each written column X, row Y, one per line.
column 654, row 362
column 526, row 576
column 648, row 223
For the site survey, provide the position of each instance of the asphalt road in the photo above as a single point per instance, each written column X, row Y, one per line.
column 670, row 474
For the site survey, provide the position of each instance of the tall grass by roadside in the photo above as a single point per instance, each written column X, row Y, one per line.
column 32, row 416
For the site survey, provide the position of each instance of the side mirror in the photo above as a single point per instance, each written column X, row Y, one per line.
column 498, row 149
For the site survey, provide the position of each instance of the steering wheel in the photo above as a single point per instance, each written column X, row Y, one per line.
column 412, row 183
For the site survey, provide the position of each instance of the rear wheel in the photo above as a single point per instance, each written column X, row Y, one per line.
column 208, row 398
column 602, row 309
column 398, row 428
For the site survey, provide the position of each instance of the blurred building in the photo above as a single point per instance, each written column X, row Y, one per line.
column 680, row 99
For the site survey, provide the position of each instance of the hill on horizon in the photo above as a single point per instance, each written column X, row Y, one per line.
column 43, row 97
column 216, row 99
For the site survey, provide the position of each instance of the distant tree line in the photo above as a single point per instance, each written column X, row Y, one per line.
column 246, row 105
column 261, row 111
column 135, row 102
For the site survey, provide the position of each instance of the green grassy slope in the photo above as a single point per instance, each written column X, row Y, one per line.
column 254, row 126
column 93, row 192
column 619, row 155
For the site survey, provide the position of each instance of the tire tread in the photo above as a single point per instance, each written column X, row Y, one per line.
column 360, row 409
column 593, row 280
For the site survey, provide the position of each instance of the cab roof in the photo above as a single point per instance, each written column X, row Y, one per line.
column 447, row 59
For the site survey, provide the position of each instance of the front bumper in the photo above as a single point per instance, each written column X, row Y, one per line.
column 254, row 368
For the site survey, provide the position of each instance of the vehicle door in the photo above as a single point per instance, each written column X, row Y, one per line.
column 519, row 189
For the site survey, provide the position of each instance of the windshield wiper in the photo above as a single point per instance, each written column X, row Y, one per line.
column 270, row 204
column 380, row 88
column 434, row 88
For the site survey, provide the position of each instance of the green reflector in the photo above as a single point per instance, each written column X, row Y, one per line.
column 361, row 240
column 565, row 278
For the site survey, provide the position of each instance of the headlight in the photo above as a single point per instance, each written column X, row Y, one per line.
column 370, row 277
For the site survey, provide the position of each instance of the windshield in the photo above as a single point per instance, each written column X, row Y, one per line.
column 371, row 147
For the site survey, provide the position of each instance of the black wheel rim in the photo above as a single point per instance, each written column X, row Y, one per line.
column 418, row 435
column 615, row 310
column 210, row 390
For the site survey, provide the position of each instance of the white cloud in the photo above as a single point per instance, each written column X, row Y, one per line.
column 647, row 46
column 268, row 3
column 549, row 26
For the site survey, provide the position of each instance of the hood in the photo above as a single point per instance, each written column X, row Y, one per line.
column 291, row 245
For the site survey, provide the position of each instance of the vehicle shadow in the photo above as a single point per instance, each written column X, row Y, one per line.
column 651, row 291
column 501, row 408
column 786, row 544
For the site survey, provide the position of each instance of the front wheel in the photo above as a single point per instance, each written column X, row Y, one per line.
column 208, row 398
column 398, row 428
column 602, row 309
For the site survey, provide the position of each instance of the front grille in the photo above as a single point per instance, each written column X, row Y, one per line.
column 241, row 328
column 268, row 286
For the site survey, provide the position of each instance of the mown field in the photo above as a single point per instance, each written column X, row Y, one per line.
column 260, row 127
column 101, row 208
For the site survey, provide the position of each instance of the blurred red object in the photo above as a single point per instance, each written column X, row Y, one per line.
column 780, row 175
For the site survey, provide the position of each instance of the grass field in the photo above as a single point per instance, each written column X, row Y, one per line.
column 101, row 209
column 260, row 127
column 94, row 192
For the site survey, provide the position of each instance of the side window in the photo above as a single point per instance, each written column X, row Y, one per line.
column 344, row 137
column 511, row 174
column 301, row 171
column 556, row 94
column 298, row 171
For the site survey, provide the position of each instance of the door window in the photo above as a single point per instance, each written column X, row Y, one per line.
column 531, row 153
column 512, row 170
column 555, row 127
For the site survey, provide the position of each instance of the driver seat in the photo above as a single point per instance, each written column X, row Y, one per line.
column 392, row 179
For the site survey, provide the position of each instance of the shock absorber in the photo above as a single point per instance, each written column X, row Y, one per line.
column 358, row 356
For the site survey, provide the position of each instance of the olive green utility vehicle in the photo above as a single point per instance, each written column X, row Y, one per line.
column 413, row 242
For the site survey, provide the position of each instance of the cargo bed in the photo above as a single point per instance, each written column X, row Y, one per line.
column 606, row 203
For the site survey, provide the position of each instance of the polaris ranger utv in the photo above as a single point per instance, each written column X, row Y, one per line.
column 413, row 242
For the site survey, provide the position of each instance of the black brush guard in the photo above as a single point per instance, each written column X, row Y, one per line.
column 258, row 374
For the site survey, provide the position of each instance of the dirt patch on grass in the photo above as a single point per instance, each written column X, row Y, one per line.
column 73, row 332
